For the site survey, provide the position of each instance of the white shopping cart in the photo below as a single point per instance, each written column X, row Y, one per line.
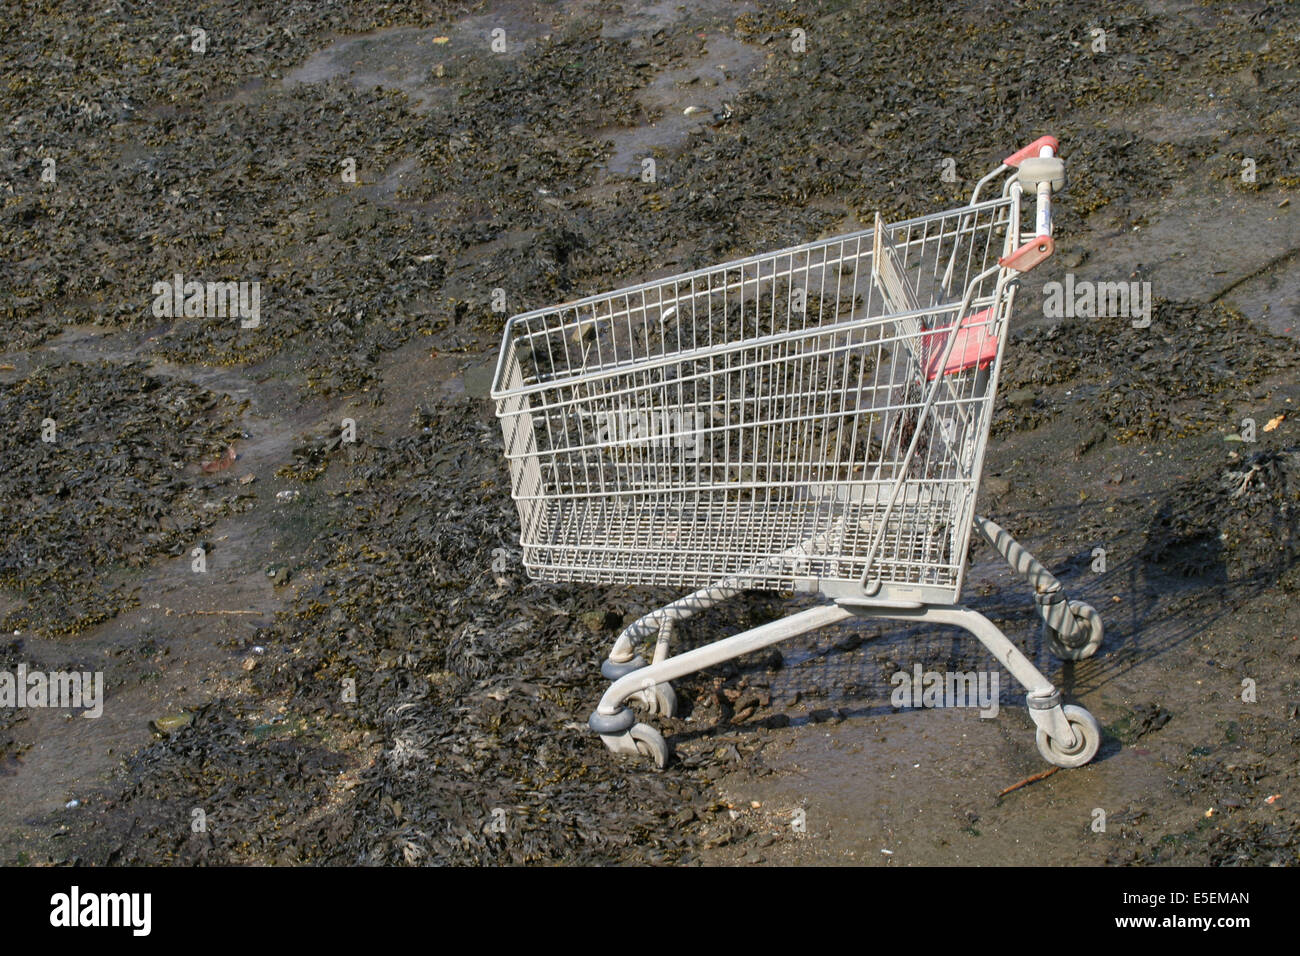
column 812, row 419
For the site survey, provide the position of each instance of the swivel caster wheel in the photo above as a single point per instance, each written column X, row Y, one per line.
column 1087, row 738
column 659, row 700
column 650, row 743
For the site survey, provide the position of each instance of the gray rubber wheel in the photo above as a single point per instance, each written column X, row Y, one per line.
column 651, row 744
column 1090, row 621
column 1087, row 738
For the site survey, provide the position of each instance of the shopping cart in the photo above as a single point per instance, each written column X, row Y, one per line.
column 811, row 420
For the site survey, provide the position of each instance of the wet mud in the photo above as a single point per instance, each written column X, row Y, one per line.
column 363, row 674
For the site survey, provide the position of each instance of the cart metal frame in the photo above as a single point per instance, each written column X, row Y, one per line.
column 813, row 419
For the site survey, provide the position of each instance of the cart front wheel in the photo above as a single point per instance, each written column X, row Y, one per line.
column 1087, row 738
column 650, row 743
column 1089, row 621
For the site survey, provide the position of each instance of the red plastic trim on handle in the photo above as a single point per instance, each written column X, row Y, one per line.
column 1030, row 254
column 1020, row 155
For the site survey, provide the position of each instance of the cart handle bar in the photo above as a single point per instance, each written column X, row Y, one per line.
column 1033, row 149
column 1042, row 245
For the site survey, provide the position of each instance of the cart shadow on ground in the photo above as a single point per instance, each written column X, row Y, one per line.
column 1152, row 603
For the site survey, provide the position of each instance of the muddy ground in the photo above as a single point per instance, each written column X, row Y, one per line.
column 372, row 561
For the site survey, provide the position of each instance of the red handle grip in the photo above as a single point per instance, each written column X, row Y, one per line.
column 1020, row 155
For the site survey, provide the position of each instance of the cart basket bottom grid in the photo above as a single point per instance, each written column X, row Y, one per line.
column 774, row 545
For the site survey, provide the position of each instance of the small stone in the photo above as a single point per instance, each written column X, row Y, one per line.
column 996, row 486
column 597, row 621
column 477, row 380
column 171, row 723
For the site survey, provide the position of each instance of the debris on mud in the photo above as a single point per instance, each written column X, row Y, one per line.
column 312, row 453
column 420, row 701
column 1144, row 719
column 1237, row 776
column 465, row 740
column 1182, row 375
column 101, row 478
column 1240, row 521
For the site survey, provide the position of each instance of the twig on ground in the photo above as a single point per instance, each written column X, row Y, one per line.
column 196, row 613
column 1028, row 780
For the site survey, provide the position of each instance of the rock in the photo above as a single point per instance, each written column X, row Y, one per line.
column 597, row 621
column 997, row 486
column 1091, row 440
column 745, row 708
column 1073, row 258
column 477, row 380
column 171, row 723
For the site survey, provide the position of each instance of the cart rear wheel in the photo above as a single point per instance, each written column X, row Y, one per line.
column 665, row 700
column 1090, row 623
column 1087, row 738
column 659, row 700
column 650, row 743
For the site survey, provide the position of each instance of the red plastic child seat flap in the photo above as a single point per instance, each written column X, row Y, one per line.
column 975, row 346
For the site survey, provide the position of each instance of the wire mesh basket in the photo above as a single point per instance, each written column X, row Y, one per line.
column 750, row 420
